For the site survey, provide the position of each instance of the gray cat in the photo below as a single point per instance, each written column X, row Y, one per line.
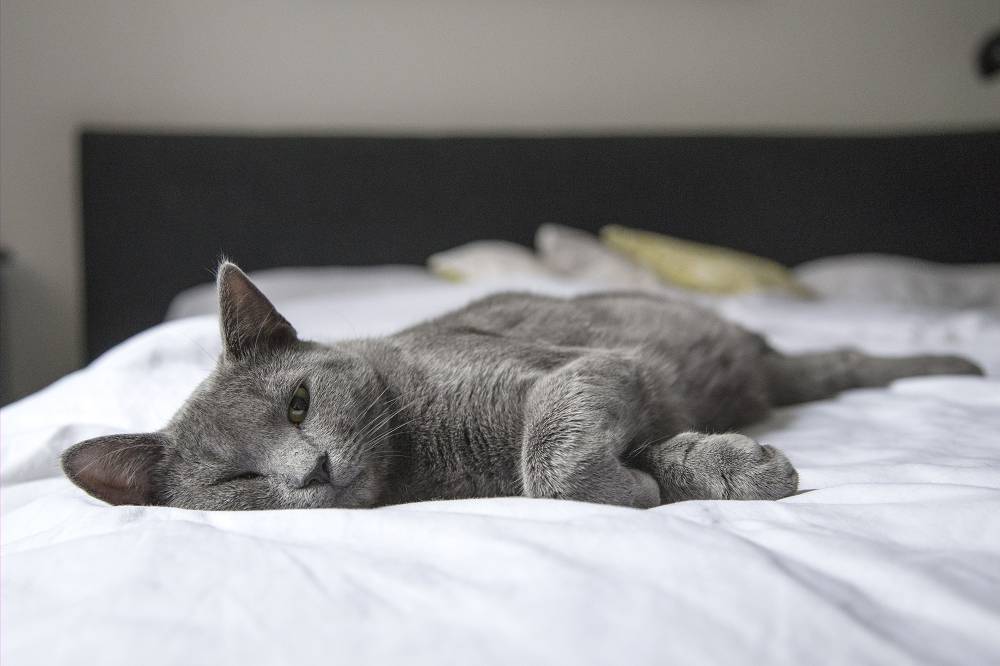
column 622, row 398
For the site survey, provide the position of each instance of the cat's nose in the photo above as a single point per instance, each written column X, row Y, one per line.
column 319, row 474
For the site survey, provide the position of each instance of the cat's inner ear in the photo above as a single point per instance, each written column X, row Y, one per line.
column 250, row 324
column 118, row 468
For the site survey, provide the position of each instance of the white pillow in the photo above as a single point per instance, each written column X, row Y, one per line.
column 486, row 259
column 579, row 255
column 902, row 280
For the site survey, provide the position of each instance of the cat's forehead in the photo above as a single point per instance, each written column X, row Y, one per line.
column 203, row 436
column 241, row 382
column 233, row 394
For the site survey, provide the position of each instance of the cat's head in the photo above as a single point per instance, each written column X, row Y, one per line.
column 280, row 423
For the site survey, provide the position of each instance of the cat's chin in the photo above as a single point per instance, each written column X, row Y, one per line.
column 356, row 494
column 345, row 501
column 352, row 504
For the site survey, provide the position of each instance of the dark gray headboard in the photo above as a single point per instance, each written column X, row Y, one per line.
column 159, row 209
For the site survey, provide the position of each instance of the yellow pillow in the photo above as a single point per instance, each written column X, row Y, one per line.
column 698, row 266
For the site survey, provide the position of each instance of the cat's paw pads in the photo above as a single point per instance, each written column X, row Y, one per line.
column 749, row 471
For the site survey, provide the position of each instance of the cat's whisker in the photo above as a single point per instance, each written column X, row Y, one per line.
column 379, row 454
column 385, row 419
column 393, row 401
column 380, row 435
column 372, row 404
column 372, row 445
column 368, row 428
column 387, row 457
column 368, row 445
column 383, row 436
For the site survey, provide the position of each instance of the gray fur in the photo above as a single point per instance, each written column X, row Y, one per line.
column 610, row 398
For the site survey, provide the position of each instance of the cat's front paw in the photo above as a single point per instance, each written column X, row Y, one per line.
column 694, row 465
column 749, row 471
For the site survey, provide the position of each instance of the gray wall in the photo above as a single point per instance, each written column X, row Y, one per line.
column 435, row 66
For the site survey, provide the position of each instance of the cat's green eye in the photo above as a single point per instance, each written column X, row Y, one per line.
column 299, row 405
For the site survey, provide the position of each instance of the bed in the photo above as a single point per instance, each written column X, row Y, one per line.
column 891, row 556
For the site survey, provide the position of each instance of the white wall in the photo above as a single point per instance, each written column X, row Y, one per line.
column 430, row 66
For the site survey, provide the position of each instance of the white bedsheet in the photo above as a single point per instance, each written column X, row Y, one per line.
column 893, row 557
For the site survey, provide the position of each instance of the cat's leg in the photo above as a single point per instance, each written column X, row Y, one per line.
column 578, row 422
column 799, row 378
column 694, row 465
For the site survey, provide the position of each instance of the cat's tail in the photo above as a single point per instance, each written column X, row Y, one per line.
column 799, row 378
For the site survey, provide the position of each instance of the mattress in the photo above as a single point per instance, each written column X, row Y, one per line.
column 890, row 555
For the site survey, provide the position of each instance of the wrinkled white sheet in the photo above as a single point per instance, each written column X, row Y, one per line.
column 893, row 557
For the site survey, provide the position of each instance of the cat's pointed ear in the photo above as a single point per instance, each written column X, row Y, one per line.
column 118, row 468
column 250, row 324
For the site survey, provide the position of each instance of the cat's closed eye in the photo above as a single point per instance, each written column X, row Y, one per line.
column 245, row 476
column 299, row 405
